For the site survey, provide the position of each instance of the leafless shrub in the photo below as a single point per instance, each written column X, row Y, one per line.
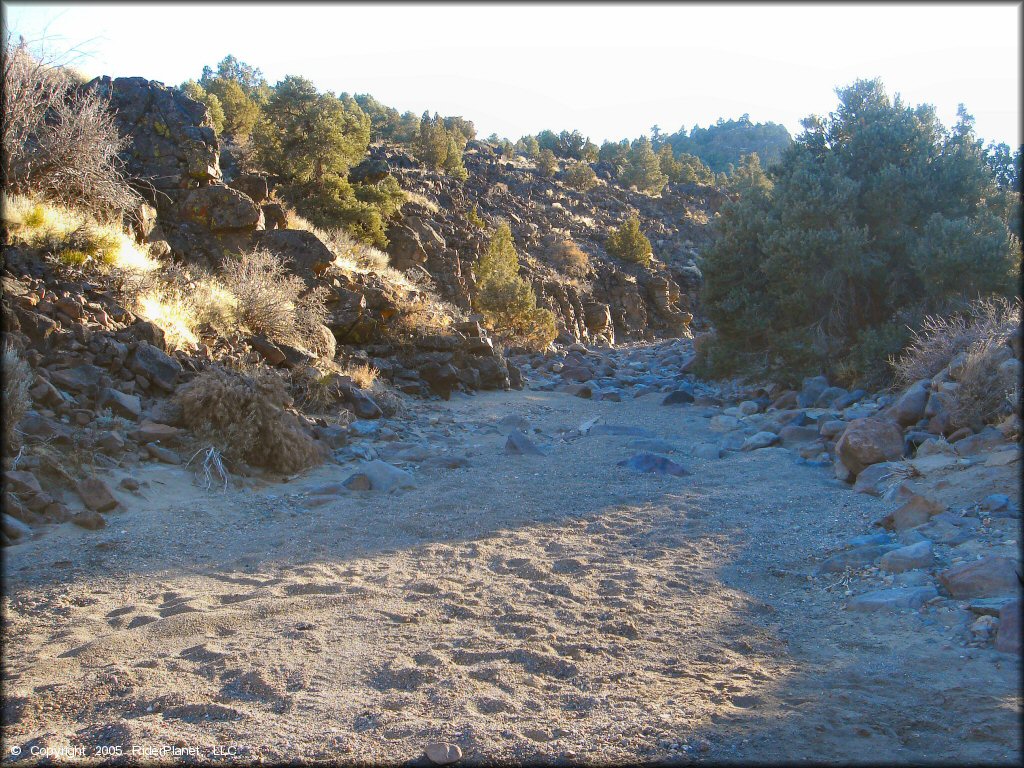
column 989, row 385
column 569, row 258
column 270, row 300
column 17, row 381
column 59, row 140
column 245, row 416
column 940, row 339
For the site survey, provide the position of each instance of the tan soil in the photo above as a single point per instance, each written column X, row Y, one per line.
column 525, row 608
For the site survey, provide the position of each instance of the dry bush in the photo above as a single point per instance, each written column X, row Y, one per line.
column 271, row 301
column 988, row 389
column 940, row 339
column 17, row 381
column 59, row 140
column 363, row 374
column 569, row 258
column 244, row 415
column 421, row 200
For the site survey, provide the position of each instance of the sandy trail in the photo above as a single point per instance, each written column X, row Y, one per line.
column 527, row 608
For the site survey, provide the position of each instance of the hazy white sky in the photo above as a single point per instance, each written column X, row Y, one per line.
column 611, row 71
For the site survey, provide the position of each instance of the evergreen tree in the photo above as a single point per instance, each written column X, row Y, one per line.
column 875, row 215
column 506, row 300
column 306, row 136
column 643, row 169
column 194, row 90
column 546, row 163
column 629, row 243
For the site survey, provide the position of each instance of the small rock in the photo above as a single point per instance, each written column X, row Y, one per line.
column 441, row 753
column 899, row 598
column 1008, row 637
column 165, row 455
column 96, row 495
column 384, row 477
column 89, row 519
column 120, row 404
column 153, row 432
column 520, row 444
column 653, row 463
column 918, row 555
column 678, row 397
column 356, row 482
column 759, row 440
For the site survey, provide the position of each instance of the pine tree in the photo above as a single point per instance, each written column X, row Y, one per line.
column 643, row 169
column 629, row 243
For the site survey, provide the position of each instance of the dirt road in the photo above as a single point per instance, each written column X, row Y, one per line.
column 526, row 608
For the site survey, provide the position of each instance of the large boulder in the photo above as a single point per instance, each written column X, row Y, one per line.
column 173, row 143
column 990, row 577
column 161, row 369
column 869, row 441
column 220, row 208
column 303, row 251
column 909, row 408
column 253, row 186
column 404, row 248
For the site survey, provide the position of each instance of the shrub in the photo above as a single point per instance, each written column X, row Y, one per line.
column 59, row 141
column 988, row 390
column 569, row 258
column 629, row 243
column 244, row 415
column 334, row 203
column 506, row 300
column 642, row 168
column 941, row 338
column 475, row 219
column 580, row 176
column 271, row 301
column 876, row 212
column 546, row 163
column 17, row 380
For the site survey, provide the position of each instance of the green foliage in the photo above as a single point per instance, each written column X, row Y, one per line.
column 241, row 91
column 614, row 153
column 546, row 163
column 475, row 219
column 877, row 213
column 195, row 91
column 386, row 195
column 361, row 209
column 580, row 176
column 306, row 136
column 724, row 143
column 629, row 243
column 439, row 143
column 642, row 168
column 506, row 300
column 528, row 147
column 384, row 120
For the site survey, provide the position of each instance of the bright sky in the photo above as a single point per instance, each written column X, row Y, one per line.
column 611, row 71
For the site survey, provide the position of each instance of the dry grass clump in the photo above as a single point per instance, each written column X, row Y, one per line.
column 940, row 339
column 420, row 309
column 569, row 258
column 17, row 381
column 244, row 415
column 72, row 236
column 363, row 374
column 421, row 200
